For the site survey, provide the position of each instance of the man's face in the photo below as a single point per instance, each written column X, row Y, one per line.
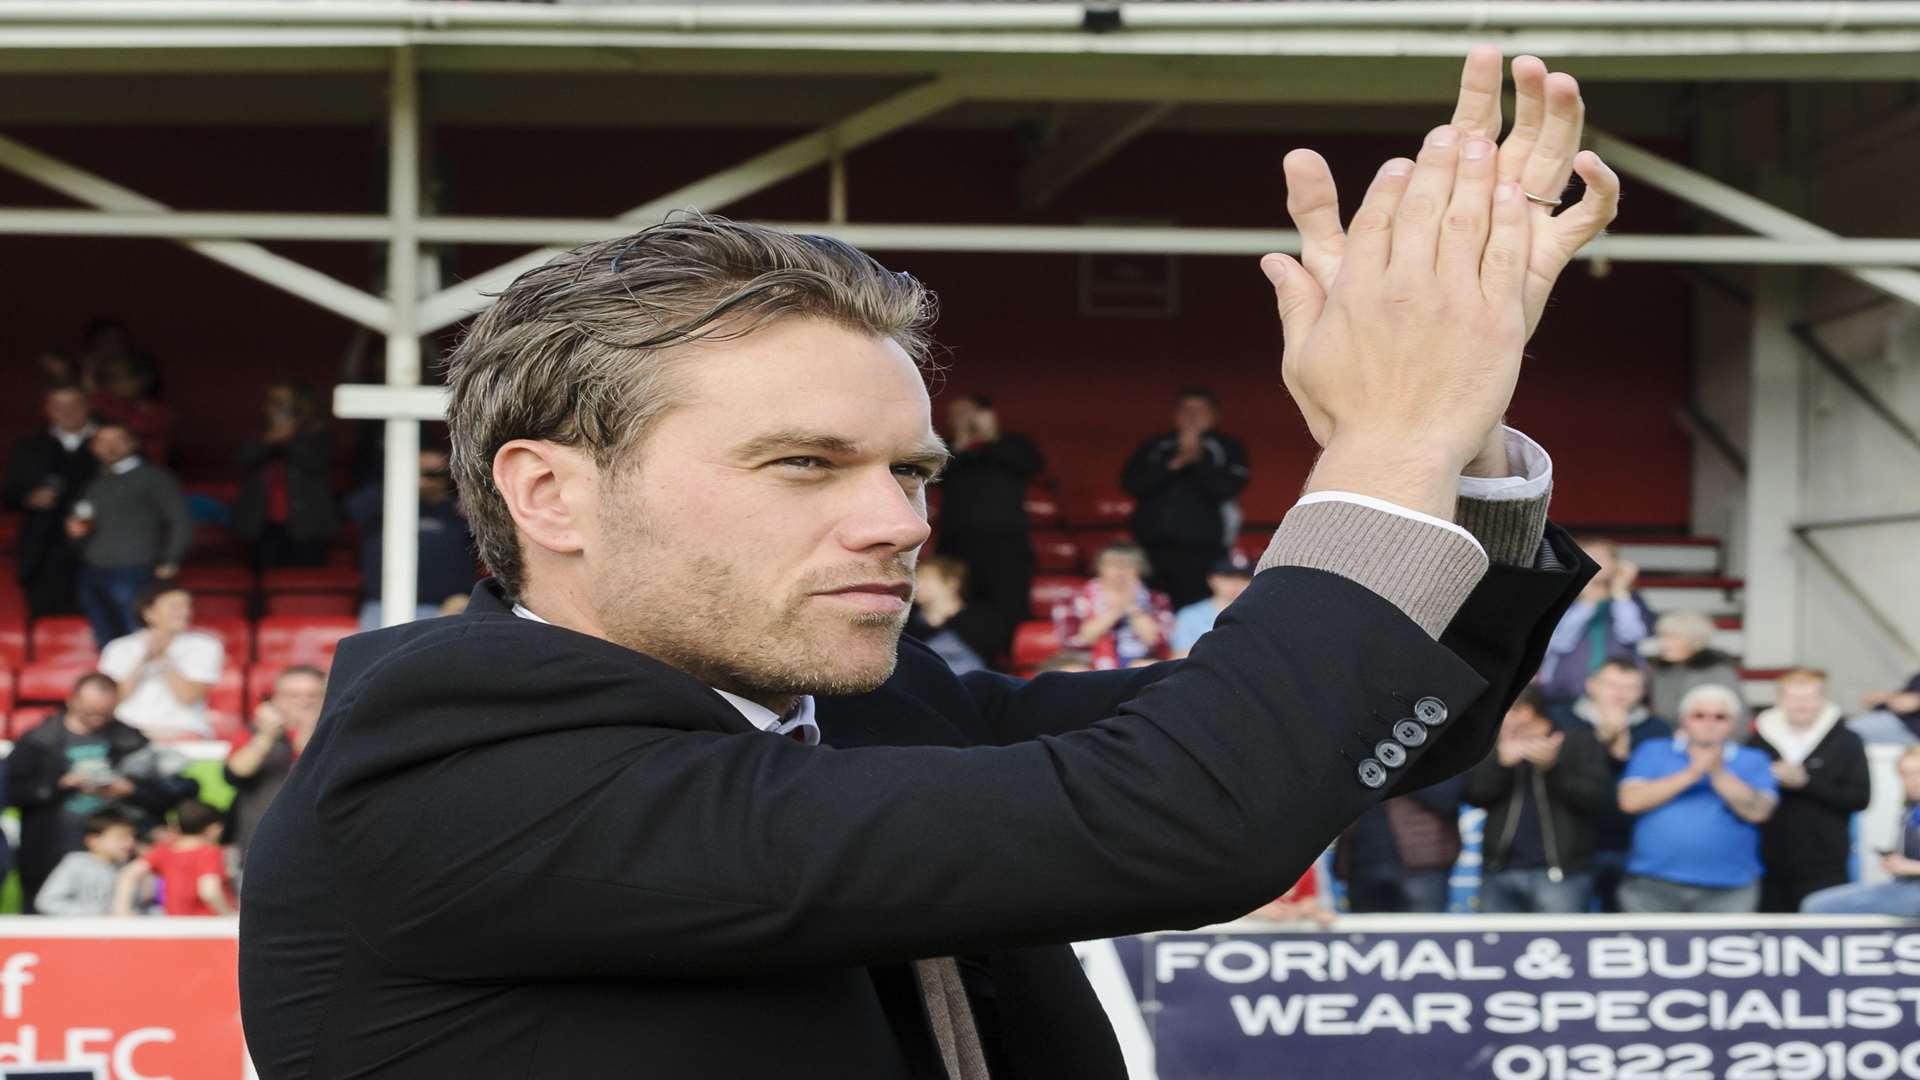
column 1193, row 414
column 1521, row 720
column 67, row 410
column 763, row 537
column 960, row 415
column 112, row 444
column 171, row 612
column 1801, row 701
column 1910, row 776
column 1707, row 723
column 1677, row 648
column 298, row 697
column 114, row 845
column 436, row 476
column 1227, row 587
column 1604, row 554
column 91, row 707
column 1616, row 688
column 1118, row 572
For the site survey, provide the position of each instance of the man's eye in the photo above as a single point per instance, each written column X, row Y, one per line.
column 917, row 472
column 804, row 463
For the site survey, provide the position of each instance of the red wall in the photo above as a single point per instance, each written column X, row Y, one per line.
column 1607, row 368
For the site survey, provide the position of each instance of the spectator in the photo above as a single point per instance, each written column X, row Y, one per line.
column 1900, row 896
column 125, row 392
column 983, row 513
column 1821, row 768
column 1186, row 482
column 132, row 526
column 445, row 554
column 1115, row 618
column 285, row 507
column 192, row 869
column 1895, row 717
column 1542, row 789
column 1229, row 578
column 962, row 634
column 1700, row 799
column 166, row 670
column 1685, row 660
column 1611, row 707
column 45, row 476
column 258, row 768
column 83, row 883
column 1607, row 622
column 67, row 769
column 1399, row 855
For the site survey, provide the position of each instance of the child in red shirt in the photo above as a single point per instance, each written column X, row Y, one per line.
column 192, row 869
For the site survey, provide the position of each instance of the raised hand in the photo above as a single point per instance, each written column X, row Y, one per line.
column 1410, row 358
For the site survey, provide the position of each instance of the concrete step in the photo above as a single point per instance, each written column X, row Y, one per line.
column 1671, row 554
column 1706, row 593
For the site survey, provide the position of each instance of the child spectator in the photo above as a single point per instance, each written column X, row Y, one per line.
column 1114, row 617
column 1230, row 578
column 1901, row 896
column 192, row 869
column 83, row 883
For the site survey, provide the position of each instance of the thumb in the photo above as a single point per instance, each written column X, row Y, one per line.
column 1300, row 298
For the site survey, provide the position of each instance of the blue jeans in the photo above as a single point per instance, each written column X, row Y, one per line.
column 1532, row 892
column 1900, row 898
column 1423, row 891
column 106, row 596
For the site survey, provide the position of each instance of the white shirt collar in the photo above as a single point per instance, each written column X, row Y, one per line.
column 799, row 718
column 71, row 440
column 125, row 465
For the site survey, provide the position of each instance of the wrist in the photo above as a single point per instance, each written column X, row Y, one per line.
column 1491, row 461
column 1412, row 477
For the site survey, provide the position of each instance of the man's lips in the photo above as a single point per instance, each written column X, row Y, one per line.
column 900, row 590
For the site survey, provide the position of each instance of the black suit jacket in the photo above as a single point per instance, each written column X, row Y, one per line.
column 515, row 851
column 36, row 459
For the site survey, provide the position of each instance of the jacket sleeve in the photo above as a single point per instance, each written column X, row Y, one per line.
column 33, row 776
column 1845, row 783
column 1142, row 475
column 1224, row 479
column 173, row 507
column 473, row 843
column 1488, row 783
column 24, row 473
column 1582, row 778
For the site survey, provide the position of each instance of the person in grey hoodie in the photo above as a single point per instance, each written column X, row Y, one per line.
column 83, row 882
column 132, row 526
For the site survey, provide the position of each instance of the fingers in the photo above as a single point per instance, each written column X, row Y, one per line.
column 1503, row 267
column 1314, row 205
column 1416, row 224
column 1529, row 112
column 1300, row 298
column 1546, row 170
column 1370, row 234
column 1478, row 110
column 1585, row 219
column 1463, row 232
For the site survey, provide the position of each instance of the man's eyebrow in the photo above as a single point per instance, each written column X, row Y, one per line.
column 775, row 442
column 931, row 455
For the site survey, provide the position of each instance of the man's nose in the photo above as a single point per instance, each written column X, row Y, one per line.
column 883, row 515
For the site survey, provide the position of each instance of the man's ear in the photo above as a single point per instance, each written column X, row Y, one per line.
column 551, row 491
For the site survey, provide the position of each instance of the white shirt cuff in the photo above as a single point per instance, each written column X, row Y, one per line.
column 1525, row 457
column 1386, row 507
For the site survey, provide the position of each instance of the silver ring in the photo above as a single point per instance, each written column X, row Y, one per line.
column 1551, row 204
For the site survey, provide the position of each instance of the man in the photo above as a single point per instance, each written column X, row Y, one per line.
column 445, row 551
column 67, row 769
column 45, row 475
column 132, row 526
column 1901, row 861
column 1685, row 659
column 1226, row 582
column 166, row 670
column 962, row 634
column 258, row 768
column 1611, row 708
column 1822, row 770
column 585, row 827
column 1398, row 857
column 1700, row 799
column 983, row 512
column 1542, row 791
column 1186, row 483
column 1608, row 622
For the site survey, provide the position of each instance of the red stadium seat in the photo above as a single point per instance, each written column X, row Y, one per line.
column 1105, row 507
column 302, row 639
column 63, row 637
column 1252, row 544
column 226, row 726
column 234, row 631
column 262, row 674
column 213, row 545
column 229, row 694
column 1051, row 589
column 220, row 606
column 1034, row 643
column 26, row 719
column 1043, row 507
column 13, row 641
column 312, row 603
column 49, row 681
column 229, row 578
column 6, row 689
column 1055, row 553
column 312, row 579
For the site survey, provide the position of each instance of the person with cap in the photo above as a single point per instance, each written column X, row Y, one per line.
column 1226, row 581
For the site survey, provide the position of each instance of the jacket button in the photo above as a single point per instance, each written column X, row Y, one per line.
column 1391, row 754
column 1409, row 732
column 1373, row 774
column 1431, row 711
